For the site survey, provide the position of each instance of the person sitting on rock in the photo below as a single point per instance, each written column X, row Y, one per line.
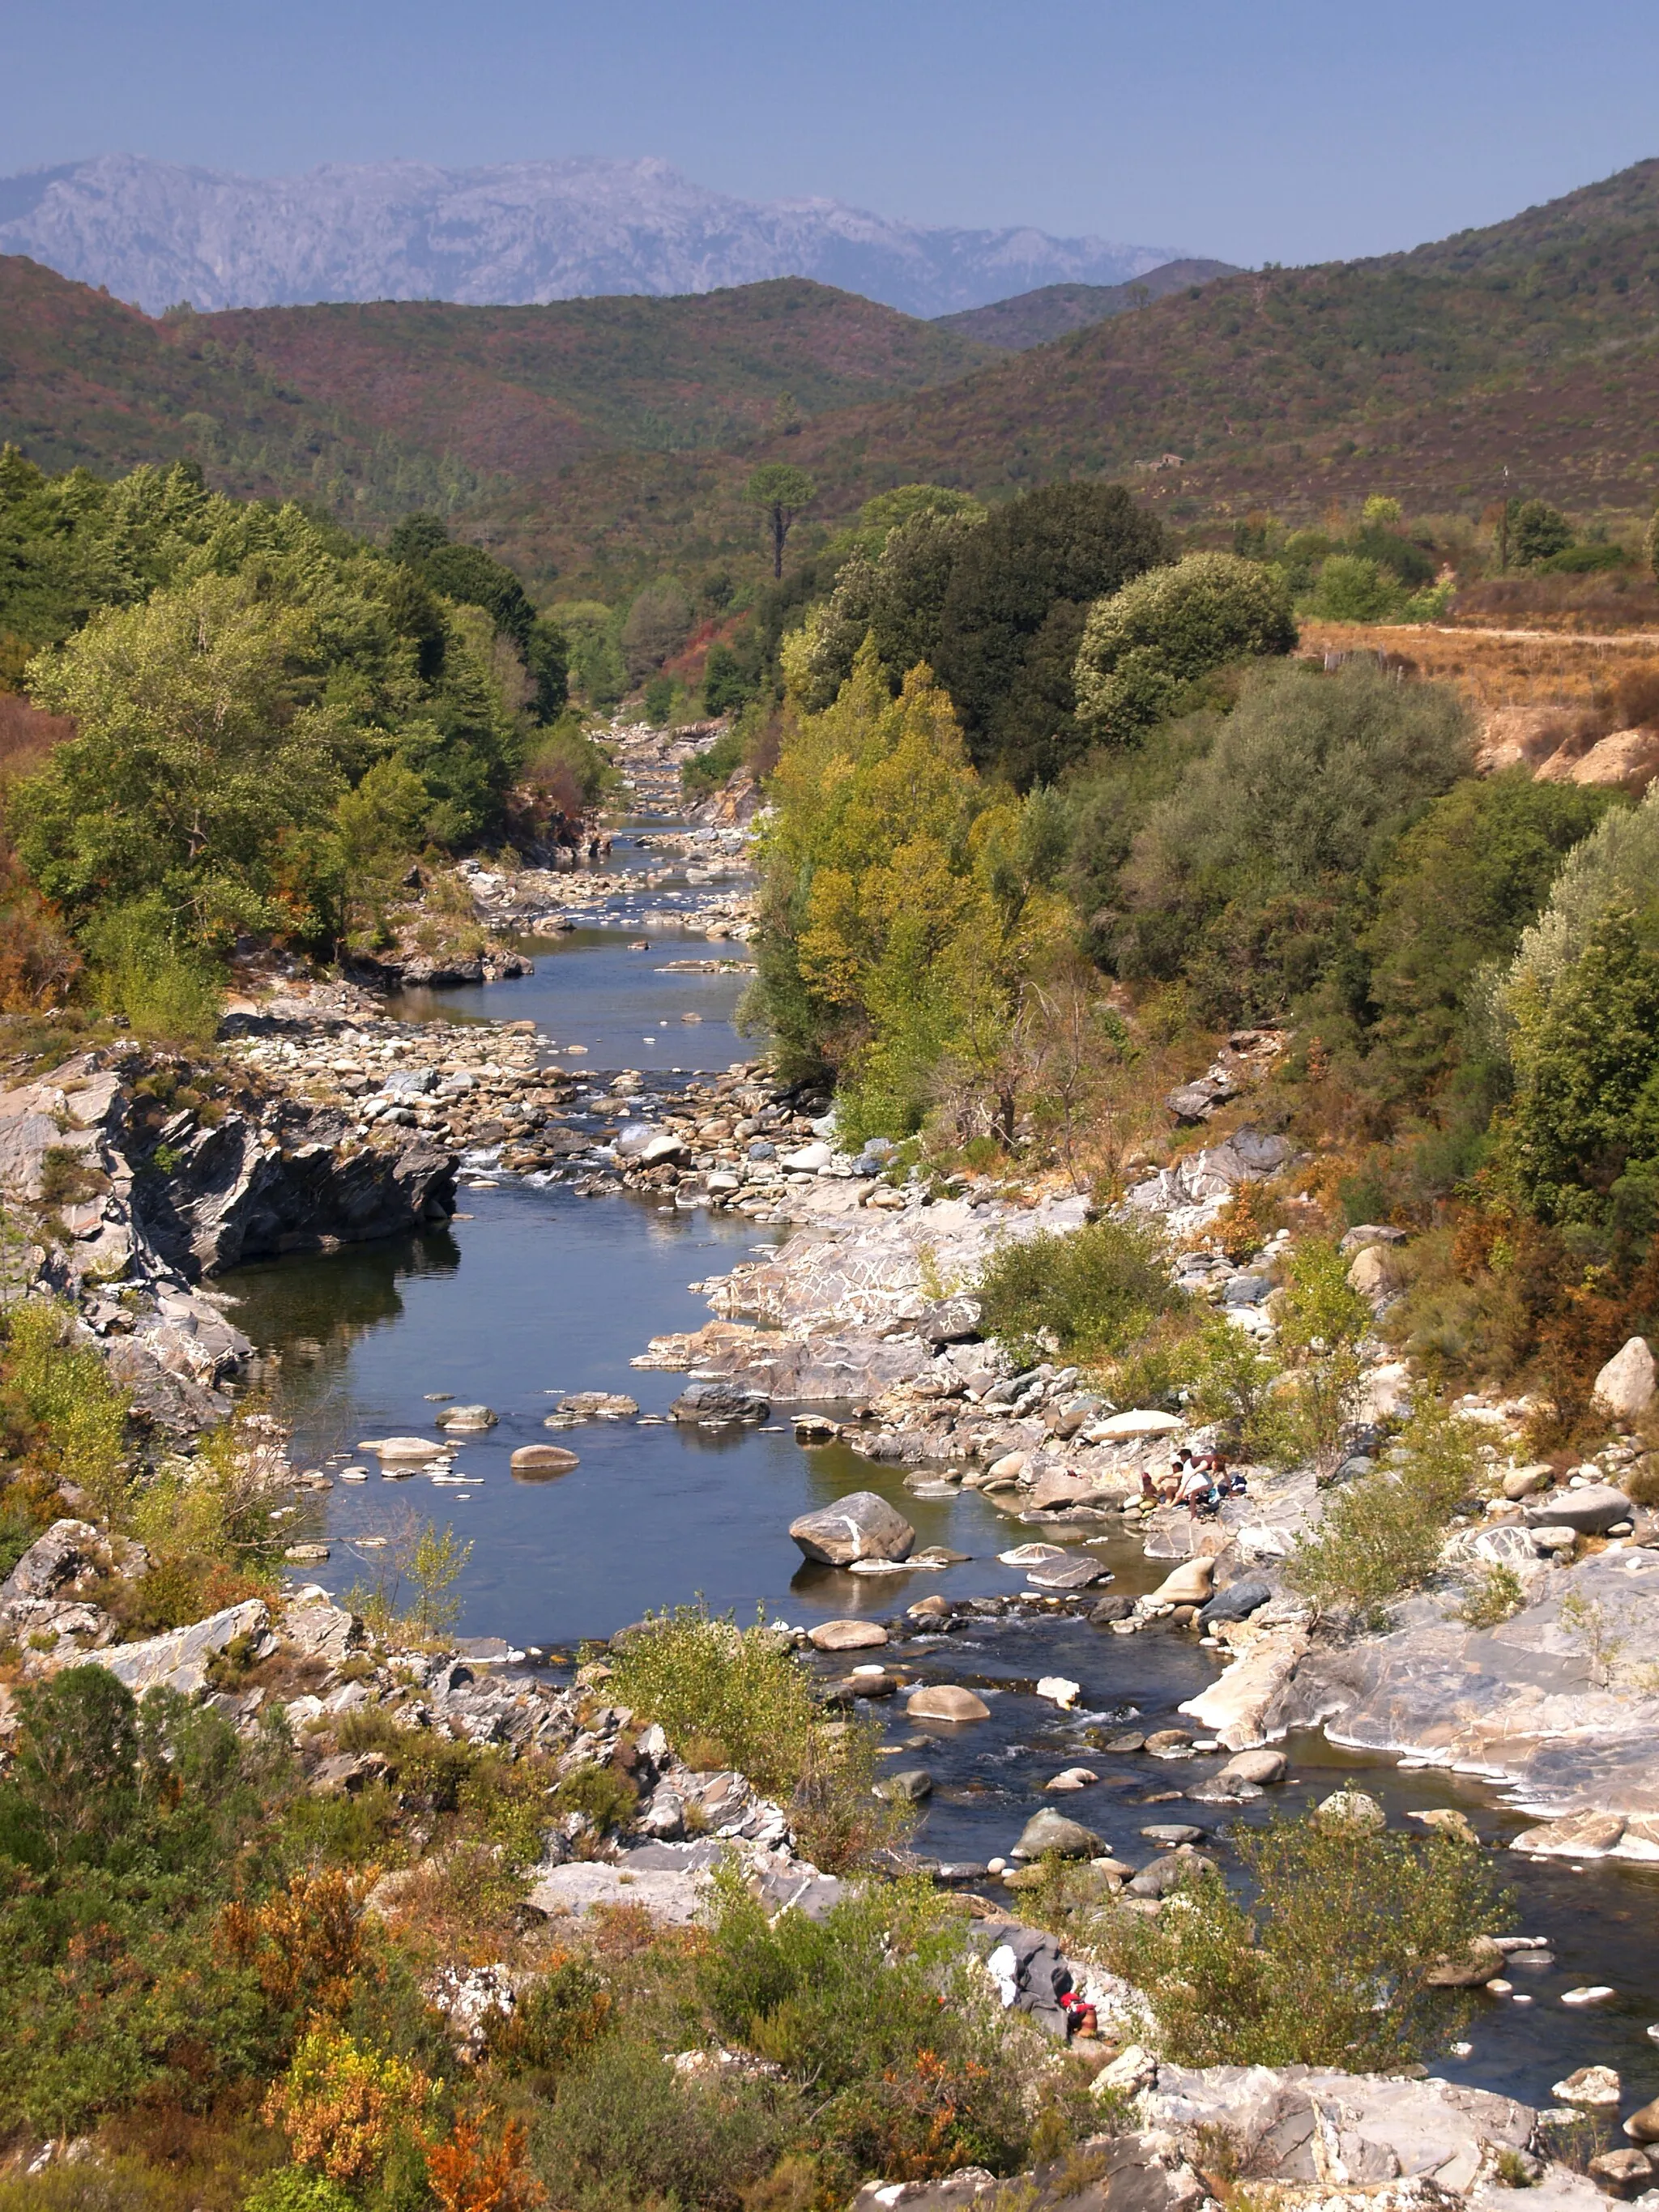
column 1198, row 1492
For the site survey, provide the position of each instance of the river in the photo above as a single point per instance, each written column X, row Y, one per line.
column 534, row 1292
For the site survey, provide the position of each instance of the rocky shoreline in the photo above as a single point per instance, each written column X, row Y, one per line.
column 337, row 1122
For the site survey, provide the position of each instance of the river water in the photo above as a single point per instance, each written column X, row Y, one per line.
column 532, row 1293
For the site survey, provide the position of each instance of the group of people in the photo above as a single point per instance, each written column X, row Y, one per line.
column 1198, row 1481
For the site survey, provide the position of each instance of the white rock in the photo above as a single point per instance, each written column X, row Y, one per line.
column 1626, row 1384
column 809, row 1159
column 1590, row 2085
column 1056, row 1686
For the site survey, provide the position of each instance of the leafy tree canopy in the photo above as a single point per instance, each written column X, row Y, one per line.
column 1142, row 645
column 1071, row 543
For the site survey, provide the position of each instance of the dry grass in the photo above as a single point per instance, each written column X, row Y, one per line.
column 1497, row 670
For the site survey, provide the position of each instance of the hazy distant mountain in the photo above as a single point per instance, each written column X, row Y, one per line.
column 1035, row 317
column 520, row 233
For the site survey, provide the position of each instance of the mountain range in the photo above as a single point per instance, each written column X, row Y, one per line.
column 596, row 442
column 520, row 232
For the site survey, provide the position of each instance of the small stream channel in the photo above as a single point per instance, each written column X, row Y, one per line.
column 531, row 1293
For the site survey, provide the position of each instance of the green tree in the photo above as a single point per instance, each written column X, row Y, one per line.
column 1453, row 899
column 1351, row 588
column 996, row 647
column 1537, row 532
column 780, row 490
column 200, row 748
column 1586, row 1057
column 467, row 574
column 1238, row 874
column 1141, row 646
column 1331, row 1962
column 658, row 622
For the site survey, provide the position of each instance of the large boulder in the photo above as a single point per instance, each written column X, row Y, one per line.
column 1186, row 1584
column 947, row 1701
column 1626, row 1386
column 69, row 1550
column 1290, row 2124
column 721, row 1404
column 1237, row 1602
column 1597, row 1506
column 530, row 1462
column 181, row 1659
column 1049, row 1833
column 860, row 1526
column 847, row 1635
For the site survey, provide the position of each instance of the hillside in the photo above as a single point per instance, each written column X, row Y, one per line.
column 604, row 439
column 526, row 389
column 377, row 410
column 1271, row 383
column 1032, row 319
column 515, row 233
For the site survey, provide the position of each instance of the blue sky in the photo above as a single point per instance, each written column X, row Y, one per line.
column 1256, row 130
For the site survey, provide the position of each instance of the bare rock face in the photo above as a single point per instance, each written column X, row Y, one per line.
column 860, row 1526
column 1379, row 2126
column 180, row 1659
column 1626, row 1384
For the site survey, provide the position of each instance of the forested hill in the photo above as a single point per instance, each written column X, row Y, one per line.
column 606, row 439
column 1032, row 319
column 1533, row 344
column 375, row 410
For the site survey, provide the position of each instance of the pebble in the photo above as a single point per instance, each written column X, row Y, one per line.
column 1591, row 1993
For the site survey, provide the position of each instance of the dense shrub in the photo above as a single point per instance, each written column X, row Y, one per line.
column 1242, row 872
column 1011, row 618
column 1084, row 1295
column 1453, row 897
column 1382, row 1533
column 1140, row 646
column 1328, row 1964
column 738, row 1693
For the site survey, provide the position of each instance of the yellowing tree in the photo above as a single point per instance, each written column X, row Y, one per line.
column 904, row 906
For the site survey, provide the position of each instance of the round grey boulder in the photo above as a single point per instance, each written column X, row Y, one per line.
column 1597, row 1507
column 860, row 1526
column 1045, row 1832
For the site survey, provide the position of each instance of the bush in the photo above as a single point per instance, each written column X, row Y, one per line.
column 608, row 1798
column 707, row 771
column 1084, row 1296
column 162, row 985
column 1330, row 1963
column 1238, row 875
column 625, row 2132
column 1491, row 1596
column 740, row 1689
column 1229, row 1378
column 59, row 1407
column 1350, row 588
column 1322, row 1321
column 1381, row 1534
column 1158, row 633
column 875, row 2011
column 295, row 2188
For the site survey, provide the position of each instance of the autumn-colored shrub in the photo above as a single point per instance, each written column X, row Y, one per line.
column 344, row 2107
column 304, row 1944
column 470, row 2173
